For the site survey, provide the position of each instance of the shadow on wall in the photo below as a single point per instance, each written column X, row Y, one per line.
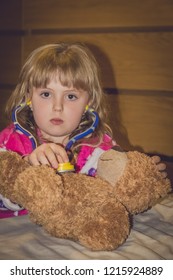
column 108, row 77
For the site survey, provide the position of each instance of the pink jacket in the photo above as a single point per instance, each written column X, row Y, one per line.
column 15, row 141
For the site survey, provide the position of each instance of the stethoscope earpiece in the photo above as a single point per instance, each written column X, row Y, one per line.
column 86, row 108
column 28, row 102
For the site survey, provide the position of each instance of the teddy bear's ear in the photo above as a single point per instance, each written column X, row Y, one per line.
column 111, row 165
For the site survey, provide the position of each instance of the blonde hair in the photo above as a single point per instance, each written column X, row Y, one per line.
column 76, row 67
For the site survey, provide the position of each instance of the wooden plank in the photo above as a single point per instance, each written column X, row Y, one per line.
column 142, row 122
column 10, row 59
column 142, row 61
column 43, row 14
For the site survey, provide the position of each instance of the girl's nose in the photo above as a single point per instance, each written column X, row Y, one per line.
column 58, row 105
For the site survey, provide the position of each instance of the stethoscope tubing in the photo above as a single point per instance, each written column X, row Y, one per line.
column 70, row 142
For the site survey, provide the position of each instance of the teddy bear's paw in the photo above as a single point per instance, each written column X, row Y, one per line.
column 111, row 165
column 142, row 184
column 103, row 226
column 106, row 231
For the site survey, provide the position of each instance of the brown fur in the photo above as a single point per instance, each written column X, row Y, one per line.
column 141, row 184
column 82, row 208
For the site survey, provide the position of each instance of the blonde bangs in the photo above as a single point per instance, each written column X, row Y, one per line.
column 68, row 65
column 42, row 70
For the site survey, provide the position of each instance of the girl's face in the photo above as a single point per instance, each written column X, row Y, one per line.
column 58, row 109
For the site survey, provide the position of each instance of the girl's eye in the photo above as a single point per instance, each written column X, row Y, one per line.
column 71, row 97
column 45, row 94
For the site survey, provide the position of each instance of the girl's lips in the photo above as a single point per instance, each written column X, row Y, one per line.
column 56, row 121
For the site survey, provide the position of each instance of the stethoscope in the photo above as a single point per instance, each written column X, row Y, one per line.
column 19, row 127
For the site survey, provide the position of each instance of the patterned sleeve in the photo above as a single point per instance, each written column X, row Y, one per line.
column 15, row 141
column 88, row 157
column 10, row 140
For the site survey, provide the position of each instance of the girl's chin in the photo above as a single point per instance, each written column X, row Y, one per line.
column 55, row 138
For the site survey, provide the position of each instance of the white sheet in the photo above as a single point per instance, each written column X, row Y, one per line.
column 151, row 238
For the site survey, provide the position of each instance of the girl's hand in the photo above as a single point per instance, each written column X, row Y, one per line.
column 48, row 154
column 160, row 165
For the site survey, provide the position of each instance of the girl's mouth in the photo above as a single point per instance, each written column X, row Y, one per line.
column 56, row 121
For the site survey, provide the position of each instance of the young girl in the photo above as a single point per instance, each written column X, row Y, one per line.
column 58, row 113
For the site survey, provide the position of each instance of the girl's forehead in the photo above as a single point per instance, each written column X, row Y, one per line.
column 55, row 82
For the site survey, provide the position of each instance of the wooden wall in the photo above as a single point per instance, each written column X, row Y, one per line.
column 133, row 42
column 10, row 49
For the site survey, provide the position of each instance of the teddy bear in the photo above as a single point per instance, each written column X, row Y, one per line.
column 95, row 211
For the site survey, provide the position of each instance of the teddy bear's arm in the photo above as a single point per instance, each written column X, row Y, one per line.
column 11, row 165
column 136, row 180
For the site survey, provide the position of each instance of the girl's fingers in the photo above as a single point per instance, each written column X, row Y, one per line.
column 32, row 159
column 156, row 159
column 164, row 174
column 42, row 158
column 60, row 152
column 160, row 166
column 51, row 157
column 48, row 154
